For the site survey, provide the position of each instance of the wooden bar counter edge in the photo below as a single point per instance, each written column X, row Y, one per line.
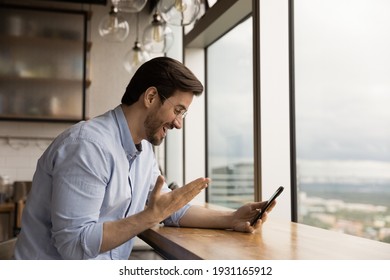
column 276, row 240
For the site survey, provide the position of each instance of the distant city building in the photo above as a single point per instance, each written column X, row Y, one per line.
column 232, row 185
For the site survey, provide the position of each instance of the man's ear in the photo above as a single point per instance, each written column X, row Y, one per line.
column 150, row 96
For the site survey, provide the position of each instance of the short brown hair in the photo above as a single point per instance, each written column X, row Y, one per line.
column 164, row 73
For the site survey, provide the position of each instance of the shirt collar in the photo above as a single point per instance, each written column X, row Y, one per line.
column 128, row 145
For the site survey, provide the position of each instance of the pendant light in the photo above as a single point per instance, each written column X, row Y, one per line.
column 179, row 12
column 113, row 27
column 131, row 6
column 157, row 36
column 135, row 57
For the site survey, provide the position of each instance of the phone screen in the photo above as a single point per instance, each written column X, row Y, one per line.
column 267, row 205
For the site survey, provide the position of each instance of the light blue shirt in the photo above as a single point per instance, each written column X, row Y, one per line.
column 90, row 174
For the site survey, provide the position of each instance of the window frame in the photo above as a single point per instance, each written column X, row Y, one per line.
column 271, row 78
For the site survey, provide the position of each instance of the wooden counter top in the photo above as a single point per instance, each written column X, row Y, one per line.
column 276, row 240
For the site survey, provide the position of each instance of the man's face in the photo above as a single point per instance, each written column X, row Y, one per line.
column 166, row 116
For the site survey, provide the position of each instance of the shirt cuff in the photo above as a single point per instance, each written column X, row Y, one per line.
column 91, row 240
column 174, row 219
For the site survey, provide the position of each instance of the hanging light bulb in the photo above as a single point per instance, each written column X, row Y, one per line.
column 158, row 36
column 113, row 27
column 131, row 6
column 179, row 12
column 136, row 56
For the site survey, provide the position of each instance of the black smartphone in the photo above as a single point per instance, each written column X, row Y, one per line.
column 267, row 205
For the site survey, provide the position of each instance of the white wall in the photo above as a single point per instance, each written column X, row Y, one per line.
column 109, row 77
column 173, row 144
column 195, row 126
column 274, row 81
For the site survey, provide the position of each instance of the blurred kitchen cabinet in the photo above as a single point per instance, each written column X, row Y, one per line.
column 43, row 58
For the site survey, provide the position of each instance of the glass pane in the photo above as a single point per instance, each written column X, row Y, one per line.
column 230, row 117
column 342, row 70
column 41, row 64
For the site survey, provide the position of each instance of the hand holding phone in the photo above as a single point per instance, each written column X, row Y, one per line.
column 267, row 205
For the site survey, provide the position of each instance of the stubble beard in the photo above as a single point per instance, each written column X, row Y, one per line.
column 152, row 127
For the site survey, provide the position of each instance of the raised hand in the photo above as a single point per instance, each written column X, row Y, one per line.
column 163, row 205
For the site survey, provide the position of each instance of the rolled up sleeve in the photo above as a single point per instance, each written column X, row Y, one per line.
column 174, row 219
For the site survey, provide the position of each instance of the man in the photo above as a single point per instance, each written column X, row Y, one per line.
column 98, row 184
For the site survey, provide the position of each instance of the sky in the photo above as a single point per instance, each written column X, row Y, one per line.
column 342, row 71
column 230, row 97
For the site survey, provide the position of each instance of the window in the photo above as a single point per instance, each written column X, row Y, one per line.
column 230, row 117
column 342, row 96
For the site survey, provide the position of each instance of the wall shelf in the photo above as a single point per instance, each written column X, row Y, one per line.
column 43, row 54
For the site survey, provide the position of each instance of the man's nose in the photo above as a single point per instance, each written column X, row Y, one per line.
column 178, row 122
